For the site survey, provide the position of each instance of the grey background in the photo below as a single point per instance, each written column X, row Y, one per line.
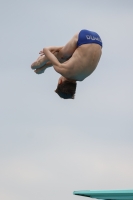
column 50, row 147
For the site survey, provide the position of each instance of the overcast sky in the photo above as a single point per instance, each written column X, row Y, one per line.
column 49, row 146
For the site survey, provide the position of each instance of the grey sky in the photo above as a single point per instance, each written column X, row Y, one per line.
column 50, row 147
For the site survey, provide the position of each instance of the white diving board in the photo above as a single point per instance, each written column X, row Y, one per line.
column 106, row 194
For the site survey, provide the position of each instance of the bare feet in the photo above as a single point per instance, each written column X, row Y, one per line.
column 40, row 70
column 40, row 62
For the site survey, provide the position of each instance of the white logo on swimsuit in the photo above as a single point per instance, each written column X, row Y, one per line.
column 90, row 37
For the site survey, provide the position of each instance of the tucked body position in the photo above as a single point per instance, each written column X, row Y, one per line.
column 75, row 61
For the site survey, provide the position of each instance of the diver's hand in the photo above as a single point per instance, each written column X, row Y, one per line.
column 41, row 53
column 54, row 50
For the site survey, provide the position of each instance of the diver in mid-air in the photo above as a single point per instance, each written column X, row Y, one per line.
column 75, row 61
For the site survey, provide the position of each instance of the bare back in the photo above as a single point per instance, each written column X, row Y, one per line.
column 84, row 60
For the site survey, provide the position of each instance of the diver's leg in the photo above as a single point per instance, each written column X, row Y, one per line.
column 67, row 50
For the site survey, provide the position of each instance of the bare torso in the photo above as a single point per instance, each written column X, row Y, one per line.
column 84, row 61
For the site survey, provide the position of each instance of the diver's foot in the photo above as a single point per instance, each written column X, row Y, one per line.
column 40, row 70
column 39, row 62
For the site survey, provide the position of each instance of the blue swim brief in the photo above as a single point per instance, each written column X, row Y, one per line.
column 88, row 37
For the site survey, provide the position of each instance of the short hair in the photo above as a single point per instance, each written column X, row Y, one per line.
column 66, row 90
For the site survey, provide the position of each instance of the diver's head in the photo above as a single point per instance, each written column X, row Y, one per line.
column 66, row 88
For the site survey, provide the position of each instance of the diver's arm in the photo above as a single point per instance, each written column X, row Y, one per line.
column 56, row 64
column 55, row 49
column 50, row 56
